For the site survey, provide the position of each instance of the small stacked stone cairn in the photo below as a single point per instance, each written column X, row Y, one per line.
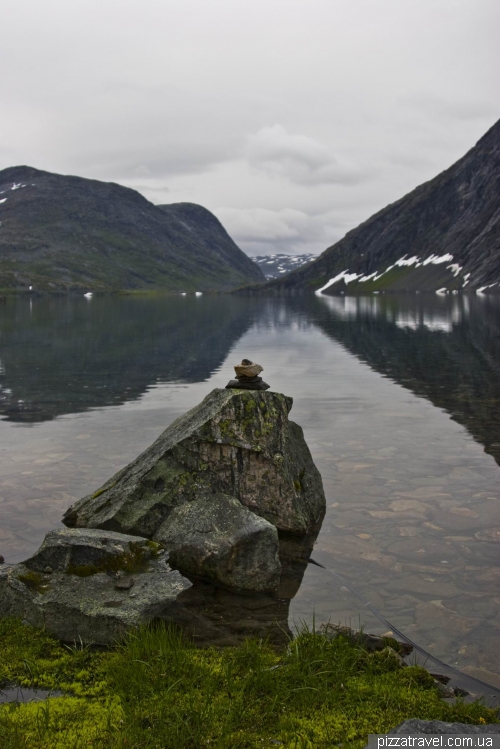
column 247, row 377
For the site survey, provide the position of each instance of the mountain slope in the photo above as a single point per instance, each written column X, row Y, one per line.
column 60, row 232
column 444, row 235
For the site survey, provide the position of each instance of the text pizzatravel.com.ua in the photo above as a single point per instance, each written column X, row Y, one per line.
column 440, row 742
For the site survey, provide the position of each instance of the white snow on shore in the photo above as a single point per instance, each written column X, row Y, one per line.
column 404, row 261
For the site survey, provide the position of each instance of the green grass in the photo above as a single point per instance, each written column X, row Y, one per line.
column 157, row 690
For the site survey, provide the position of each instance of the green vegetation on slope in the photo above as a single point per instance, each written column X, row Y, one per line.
column 157, row 690
column 63, row 233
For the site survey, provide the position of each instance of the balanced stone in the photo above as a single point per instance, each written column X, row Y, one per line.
column 248, row 368
column 235, row 442
column 247, row 377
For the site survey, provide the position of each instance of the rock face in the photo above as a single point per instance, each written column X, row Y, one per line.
column 217, row 538
column 235, row 442
column 85, row 599
column 444, row 234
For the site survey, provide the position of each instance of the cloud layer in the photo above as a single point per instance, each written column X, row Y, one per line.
column 297, row 158
column 292, row 120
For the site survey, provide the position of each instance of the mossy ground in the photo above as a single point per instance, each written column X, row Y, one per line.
column 158, row 690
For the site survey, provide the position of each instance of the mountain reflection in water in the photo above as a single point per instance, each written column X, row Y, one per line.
column 444, row 348
column 61, row 356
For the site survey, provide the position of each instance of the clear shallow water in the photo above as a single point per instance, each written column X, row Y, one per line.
column 413, row 518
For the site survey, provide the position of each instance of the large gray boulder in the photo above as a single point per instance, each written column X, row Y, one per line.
column 215, row 537
column 87, row 595
column 236, row 442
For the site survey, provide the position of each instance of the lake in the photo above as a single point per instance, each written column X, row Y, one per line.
column 399, row 399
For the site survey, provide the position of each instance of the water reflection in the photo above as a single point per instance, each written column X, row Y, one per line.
column 407, row 312
column 444, row 348
column 60, row 356
column 214, row 616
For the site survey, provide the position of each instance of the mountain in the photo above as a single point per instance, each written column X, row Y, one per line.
column 444, row 235
column 273, row 266
column 62, row 233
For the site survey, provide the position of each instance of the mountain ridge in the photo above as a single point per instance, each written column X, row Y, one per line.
column 442, row 236
column 63, row 233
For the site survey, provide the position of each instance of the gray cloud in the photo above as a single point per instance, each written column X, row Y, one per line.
column 260, row 231
column 180, row 100
column 298, row 158
column 453, row 109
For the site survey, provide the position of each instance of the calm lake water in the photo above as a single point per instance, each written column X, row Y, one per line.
column 399, row 398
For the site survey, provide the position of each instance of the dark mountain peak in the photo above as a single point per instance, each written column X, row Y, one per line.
column 443, row 236
column 68, row 182
column 491, row 138
column 66, row 232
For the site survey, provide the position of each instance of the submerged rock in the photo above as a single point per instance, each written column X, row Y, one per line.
column 235, row 442
column 215, row 537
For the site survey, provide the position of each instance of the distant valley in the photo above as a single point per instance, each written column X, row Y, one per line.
column 61, row 233
column 275, row 266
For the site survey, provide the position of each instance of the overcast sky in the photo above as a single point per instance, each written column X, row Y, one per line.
column 292, row 120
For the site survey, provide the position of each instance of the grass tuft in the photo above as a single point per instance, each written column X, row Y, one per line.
column 34, row 581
